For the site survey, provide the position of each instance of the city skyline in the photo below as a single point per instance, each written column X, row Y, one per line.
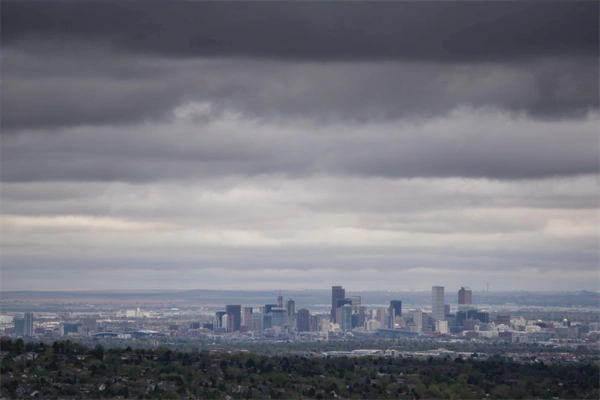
column 347, row 314
column 261, row 145
column 407, row 311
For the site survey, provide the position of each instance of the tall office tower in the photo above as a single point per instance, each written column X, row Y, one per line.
column 280, row 300
column 28, row 324
column 337, row 293
column 362, row 316
column 257, row 322
column 236, row 311
column 418, row 320
column 346, row 320
column 483, row 316
column 355, row 303
column 425, row 326
column 303, row 320
column 451, row 319
column 247, row 317
column 278, row 316
column 397, row 306
column 446, row 309
column 290, row 307
column 465, row 296
column 381, row 317
column 315, row 322
column 231, row 323
column 437, row 303
column 224, row 322
column 219, row 319
column 338, row 309
column 19, row 325
column 267, row 321
column 394, row 310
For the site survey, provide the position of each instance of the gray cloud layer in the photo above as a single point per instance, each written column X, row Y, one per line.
column 355, row 61
column 363, row 144
column 466, row 142
column 94, row 86
column 105, row 62
column 426, row 31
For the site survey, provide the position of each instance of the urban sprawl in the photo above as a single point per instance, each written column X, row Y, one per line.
column 281, row 320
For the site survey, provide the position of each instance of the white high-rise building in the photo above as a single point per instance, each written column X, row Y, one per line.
column 437, row 303
column 441, row 326
column 372, row 325
column 28, row 324
column 225, row 322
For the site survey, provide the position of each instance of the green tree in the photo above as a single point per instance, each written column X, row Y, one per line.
column 19, row 346
column 123, row 391
column 98, row 352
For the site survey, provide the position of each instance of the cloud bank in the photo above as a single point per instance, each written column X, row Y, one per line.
column 201, row 145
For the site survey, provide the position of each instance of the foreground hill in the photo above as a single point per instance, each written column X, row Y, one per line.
column 69, row 370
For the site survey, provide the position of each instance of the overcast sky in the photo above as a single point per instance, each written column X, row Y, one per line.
column 391, row 145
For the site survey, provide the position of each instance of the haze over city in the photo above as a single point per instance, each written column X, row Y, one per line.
column 390, row 146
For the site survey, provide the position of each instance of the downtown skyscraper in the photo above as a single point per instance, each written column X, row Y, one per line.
column 236, row 312
column 290, row 309
column 337, row 293
column 28, row 324
column 437, row 303
column 465, row 296
column 394, row 310
column 303, row 320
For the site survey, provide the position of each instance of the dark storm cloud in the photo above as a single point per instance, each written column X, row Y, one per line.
column 86, row 85
column 207, row 140
column 342, row 67
column 448, row 31
column 68, row 64
column 54, row 90
column 464, row 143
